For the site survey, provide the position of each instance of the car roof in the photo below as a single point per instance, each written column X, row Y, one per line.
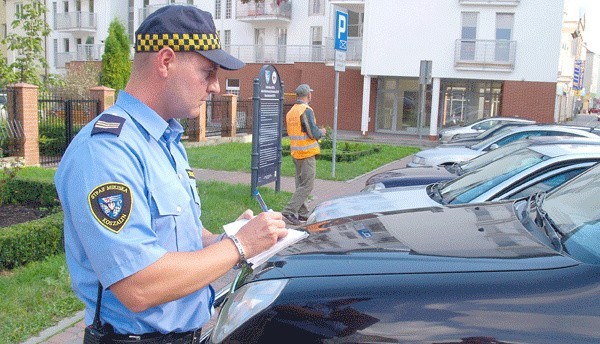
column 565, row 148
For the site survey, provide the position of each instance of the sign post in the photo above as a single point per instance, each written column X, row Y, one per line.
column 341, row 46
column 267, row 128
column 424, row 80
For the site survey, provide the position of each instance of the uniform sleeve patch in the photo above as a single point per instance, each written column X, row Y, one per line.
column 111, row 204
column 108, row 123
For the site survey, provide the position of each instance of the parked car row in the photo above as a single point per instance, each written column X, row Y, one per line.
column 500, row 248
column 522, row 271
column 447, row 155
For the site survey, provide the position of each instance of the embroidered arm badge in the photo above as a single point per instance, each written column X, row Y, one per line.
column 111, row 205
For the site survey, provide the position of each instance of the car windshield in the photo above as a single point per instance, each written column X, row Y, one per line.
column 471, row 185
column 481, row 145
column 490, row 156
column 574, row 209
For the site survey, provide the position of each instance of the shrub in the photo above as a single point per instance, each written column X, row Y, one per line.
column 34, row 193
column 31, row 241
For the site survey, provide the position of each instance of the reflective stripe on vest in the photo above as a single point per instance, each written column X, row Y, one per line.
column 301, row 146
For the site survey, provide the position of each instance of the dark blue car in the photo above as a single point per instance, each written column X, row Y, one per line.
column 525, row 271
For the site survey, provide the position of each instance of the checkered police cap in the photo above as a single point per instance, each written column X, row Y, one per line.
column 183, row 28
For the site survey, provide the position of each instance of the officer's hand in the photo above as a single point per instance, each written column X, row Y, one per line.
column 261, row 232
column 246, row 215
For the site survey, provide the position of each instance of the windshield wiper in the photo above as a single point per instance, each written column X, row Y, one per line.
column 454, row 168
column 435, row 193
column 543, row 221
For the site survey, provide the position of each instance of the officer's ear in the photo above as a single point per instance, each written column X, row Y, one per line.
column 164, row 58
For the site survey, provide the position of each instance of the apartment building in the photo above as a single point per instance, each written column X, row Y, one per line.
column 489, row 57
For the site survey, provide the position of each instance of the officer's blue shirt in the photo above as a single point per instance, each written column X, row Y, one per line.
column 129, row 196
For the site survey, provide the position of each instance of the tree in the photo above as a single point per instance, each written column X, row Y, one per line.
column 27, row 40
column 116, row 65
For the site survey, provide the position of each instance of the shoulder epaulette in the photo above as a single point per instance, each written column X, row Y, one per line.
column 108, row 123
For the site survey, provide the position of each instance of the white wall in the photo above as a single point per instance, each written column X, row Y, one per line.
column 399, row 34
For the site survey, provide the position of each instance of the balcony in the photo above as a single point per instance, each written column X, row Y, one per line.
column 85, row 52
column 490, row 2
column 264, row 11
column 296, row 53
column 75, row 21
column 489, row 55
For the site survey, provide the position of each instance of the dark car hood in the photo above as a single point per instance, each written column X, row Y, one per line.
column 466, row 238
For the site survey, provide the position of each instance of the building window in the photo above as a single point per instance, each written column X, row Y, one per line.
column 468, row 36
column 227, row 37
column 66, row 43
column 232, row 86
column 316, row 42
column 217, row 9
column 315, row 7
column 504, row 28
column 18, row 9
column 66, row 6
column 78, row 5
column 355, row 24
column 228, row 9
column 91, row 6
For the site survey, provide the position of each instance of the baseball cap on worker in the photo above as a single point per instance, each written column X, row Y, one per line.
column 303, row 90
column 183, row 28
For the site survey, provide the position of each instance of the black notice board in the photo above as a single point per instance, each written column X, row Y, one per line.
column 267, row 128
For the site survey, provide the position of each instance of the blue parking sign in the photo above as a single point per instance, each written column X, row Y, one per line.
column 341, row 30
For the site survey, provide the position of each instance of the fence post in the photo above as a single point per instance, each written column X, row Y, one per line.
column 229, row 127
column 27, row 114
column 196, row 127
column 105, row 95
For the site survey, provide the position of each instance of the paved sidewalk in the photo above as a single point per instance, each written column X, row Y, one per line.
column 70, row 330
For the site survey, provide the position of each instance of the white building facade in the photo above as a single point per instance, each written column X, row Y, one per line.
column 489, row 57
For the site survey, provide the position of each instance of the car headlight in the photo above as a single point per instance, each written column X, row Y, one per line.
column 245, row 303
column 417, row 160
column 373, row 187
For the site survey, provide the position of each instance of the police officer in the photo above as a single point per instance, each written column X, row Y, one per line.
column 303, row 133
column 132, row 211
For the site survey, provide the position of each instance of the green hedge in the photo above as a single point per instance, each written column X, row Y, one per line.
column 31, row 241
column 346, row 151
column 24, row 191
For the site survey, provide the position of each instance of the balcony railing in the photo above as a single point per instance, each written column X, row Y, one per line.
column 73, row 21
column 490, row 2
column 263, row 10
column 485, row 54
column 295, row 53
column 89, row 52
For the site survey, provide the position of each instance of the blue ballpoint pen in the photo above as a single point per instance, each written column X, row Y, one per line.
column 260, row 200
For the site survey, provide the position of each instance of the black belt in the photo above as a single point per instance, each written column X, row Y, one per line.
column 191, row 337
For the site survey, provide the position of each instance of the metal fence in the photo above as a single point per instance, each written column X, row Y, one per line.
column 60, row 118
column 11, row 127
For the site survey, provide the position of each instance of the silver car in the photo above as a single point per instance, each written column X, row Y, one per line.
column 477, row 127
column 527, row 171
column 450, row 155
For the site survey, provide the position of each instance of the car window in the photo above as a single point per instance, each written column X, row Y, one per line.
column 548, row 184
column 471, row 185
column 573, row 208
column 491, row 139
column 516, row 136
column 492, row 155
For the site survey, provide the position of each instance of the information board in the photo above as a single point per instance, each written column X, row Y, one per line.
column 267, row 127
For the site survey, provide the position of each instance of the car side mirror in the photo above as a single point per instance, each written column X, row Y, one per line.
column 494, row 146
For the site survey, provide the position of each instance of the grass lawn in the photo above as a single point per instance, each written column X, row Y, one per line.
column 238, row 157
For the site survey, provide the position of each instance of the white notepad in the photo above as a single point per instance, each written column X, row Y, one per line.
column 293, row 236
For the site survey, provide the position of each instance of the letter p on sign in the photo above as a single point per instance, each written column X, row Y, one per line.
column 341, row 31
